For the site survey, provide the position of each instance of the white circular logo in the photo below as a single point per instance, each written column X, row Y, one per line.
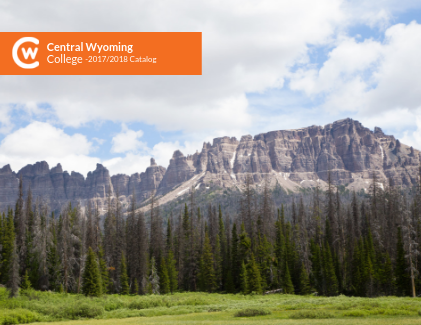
column 26, row 53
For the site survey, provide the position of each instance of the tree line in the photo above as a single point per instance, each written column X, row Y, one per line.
column 366, row 247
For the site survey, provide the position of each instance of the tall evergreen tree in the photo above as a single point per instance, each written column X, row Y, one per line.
column 164, row 280
column 91, row 276
column 124, row 279
column 287, row 283
column 13, row 280
column 235, row 258
column 7, row 242
column 154, row 278
column 244, row 286
column 208, row 271
column 254, row 280
column 26, row 283
column 402, row 277
column 329, row 272
column 172, row 272
column 105, row 276
column 305, row 288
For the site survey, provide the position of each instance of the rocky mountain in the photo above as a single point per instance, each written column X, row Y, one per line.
column 291, row 158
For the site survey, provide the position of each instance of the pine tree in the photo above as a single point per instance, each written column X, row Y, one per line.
column 91, row 277
column 218, row 262
column 291, row 257
column 402, row 277
column 53, row 257
column 329, row 272
column 244, row 247
column 388, row 280
column 316, row 262
column 172, row 272
column 164, row 280
column 287, row 282
column 235, row 264
column 264, row 260
column 305, row 288
column 154, row 278
column 201, row 277
column 254, row 279
column 229, row 282
column 135, row 287
column 208, row 271
column 26, row 283
column 105, row 276
column 124, row 279
column 7, row 242
column 279, row 247
column 357, row 270
column 13, row 279
column 244, row 287
column 224, row 262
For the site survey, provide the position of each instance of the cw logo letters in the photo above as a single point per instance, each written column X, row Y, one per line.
column 26, row 53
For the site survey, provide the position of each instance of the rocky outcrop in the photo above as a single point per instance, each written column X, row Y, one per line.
column 8, row 187
column 180, row 170
column 290, row 158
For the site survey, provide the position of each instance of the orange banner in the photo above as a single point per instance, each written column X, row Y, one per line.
column 100, row 53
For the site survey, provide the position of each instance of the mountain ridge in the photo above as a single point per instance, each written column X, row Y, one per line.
column 293, row 159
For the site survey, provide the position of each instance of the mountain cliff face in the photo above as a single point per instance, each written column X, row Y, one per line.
column 290, row 158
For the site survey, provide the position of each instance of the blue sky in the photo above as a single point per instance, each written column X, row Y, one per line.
column 267, row 65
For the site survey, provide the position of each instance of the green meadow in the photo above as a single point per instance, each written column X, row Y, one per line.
column 205, row 308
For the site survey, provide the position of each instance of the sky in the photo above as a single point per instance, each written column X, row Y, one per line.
column 267, row 65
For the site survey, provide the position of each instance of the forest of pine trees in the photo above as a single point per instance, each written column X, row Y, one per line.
column 366, row 247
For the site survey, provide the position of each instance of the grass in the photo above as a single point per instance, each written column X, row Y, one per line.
column 203, row 308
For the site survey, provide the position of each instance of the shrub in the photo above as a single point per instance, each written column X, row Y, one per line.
column 312, row 314
column 113, row 305
column 76, row 311
column 397, row 312
column 252, row 312
column 18, row 316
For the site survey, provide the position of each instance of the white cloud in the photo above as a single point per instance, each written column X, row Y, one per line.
column 413, row 138
column 5, row 123
column 399, row 75
column 248, row 46
column 368, row 77
column 127, row 140
column 129, row 164
column 162, row 152
column 41, row 141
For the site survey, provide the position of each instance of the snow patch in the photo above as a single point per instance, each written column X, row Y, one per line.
column 233, row 176
column 381, row 149
column 179, row 193
column 302, row 181
column 233, row 160
column 197, row 186
column 285, row 175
